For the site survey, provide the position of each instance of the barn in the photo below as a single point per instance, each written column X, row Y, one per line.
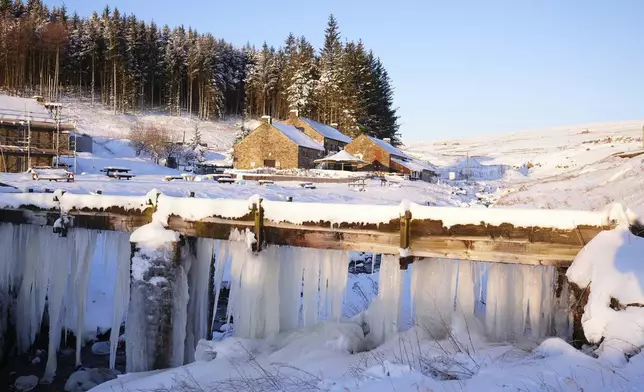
column 380, row 156
column 331, row 138
column 276, row 144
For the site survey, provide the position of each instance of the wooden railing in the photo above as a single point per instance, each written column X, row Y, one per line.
column 537, row 237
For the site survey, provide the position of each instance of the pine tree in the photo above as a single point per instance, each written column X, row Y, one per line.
column 303, row 81
column 328, row 87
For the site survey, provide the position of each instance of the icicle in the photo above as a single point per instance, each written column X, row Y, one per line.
column 180, row 298
column 85, row 242
column 37, row 251
column 534, row 295
column 59, row 273
column 198, row 283
column 465, row 290
column 311, row 284
column 434, row 284
column 383, row 313
column 238, row 253
column 256, row 302
column 290, row 286
column 500, row 302
column 221, row 259
column 121, row 244
column 334, row 274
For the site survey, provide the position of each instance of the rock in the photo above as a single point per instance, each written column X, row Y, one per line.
column 84, row 380
column 25, row 383
column 101, row 348
column 204, row 351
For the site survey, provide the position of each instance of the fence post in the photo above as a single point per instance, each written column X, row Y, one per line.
column 258, row 212
column 405, row 240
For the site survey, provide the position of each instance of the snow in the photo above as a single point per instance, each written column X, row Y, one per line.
column 16, row 109
column 414, row 165
column 388, row 148
column 327, row 131
column 152, row 236
column 297, row 136
column 612, row 266
column 341, row 156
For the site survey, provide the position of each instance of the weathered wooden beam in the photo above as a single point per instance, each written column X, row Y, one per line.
column 425, row 238
column 405, row 240
column 258, row 213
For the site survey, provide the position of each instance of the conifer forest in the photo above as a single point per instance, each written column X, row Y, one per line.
column 134, row 66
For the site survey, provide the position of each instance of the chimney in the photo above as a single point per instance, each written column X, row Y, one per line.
column 293, row 114
column 267, row 119
column 387, row 140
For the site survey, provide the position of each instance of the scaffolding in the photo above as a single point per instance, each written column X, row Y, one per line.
column 35, row 132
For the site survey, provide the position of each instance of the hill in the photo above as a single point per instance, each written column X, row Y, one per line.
column 564, row 167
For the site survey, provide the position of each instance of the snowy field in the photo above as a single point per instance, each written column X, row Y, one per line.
column 568, row 167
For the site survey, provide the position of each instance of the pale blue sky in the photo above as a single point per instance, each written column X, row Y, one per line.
column 459, row 68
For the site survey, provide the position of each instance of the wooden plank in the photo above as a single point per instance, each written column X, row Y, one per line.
column 427, row 238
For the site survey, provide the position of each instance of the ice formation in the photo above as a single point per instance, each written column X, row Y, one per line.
column 120, row 243
column 383, row 313
column 434, row 282
column 519, row 302
column 198, row 277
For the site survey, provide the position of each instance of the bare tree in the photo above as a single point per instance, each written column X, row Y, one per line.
column 157, row 141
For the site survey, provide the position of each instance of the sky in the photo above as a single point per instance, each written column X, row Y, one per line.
column 459, row 68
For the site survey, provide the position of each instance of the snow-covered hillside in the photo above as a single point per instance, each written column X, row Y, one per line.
column 567, row 167
column 97, row 120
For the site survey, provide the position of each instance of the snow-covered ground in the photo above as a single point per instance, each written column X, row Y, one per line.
column 567, row 167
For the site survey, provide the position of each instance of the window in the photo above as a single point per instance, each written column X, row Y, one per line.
column 269, row 163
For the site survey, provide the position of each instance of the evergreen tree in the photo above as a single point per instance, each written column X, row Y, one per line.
column 328, row 87
column 133, row 65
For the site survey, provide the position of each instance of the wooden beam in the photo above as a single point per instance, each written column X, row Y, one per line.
column 426, row 238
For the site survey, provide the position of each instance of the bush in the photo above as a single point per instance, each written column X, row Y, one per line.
column 157, row 141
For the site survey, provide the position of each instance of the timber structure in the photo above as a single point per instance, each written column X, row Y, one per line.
column 412, row 232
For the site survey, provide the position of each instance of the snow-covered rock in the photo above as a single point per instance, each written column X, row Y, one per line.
column 612, row 265
column 84, row 380
column 101, row 348
column 25, row 383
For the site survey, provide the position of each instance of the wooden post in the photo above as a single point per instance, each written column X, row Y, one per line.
column 258, row 212
column 149, row 326
column 405, row 224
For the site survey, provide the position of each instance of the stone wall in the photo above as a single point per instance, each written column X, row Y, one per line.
column 375, row 157
column 263, row 144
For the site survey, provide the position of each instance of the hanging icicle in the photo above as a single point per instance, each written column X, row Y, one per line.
column 434, row 282
column 383, row 313
column 120, row 243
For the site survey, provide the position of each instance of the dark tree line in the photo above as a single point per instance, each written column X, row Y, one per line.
column 133, row 66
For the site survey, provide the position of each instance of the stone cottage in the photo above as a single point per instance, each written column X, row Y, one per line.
column 276, row 144
column 332, row 139
column 380, row 156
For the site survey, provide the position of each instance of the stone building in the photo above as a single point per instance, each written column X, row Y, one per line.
column 332, row 139
column 31, row 134
column 277, row 145
column 380, row 156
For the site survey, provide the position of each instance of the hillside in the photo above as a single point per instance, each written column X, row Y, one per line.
column 96, row 120
column 563, row 167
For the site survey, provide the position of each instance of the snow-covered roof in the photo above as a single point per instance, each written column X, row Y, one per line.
column 327, row 131
column 297, row 136
column 414, row 165
column 15, row 109
column 388, row 147
column 341, row 156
